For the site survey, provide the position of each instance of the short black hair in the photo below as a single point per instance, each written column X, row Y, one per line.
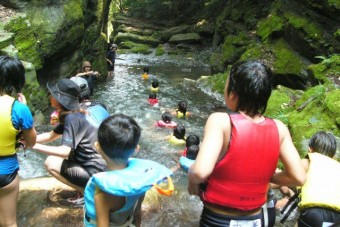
column 252, row 81
column 182, row 107
column 192, row 152
column 118, row 136
column 167, row 117
column 146, row 69
column 192, row 140
column 155, row 83
column 152, row 96
column 179, row 131
column 323, row 143
column 12, row 75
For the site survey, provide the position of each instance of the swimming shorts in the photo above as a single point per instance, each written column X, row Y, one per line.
column 75, row 173
column 210, row 218
column 315, row 216
column 6, row 179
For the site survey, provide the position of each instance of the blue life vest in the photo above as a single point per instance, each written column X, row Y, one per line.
column 133, row 181
column 96, row 114
column 186, row 163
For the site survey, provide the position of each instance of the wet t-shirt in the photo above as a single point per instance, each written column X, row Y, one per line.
column 80, row 136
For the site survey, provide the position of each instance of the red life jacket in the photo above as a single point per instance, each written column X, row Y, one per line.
column 240, row 180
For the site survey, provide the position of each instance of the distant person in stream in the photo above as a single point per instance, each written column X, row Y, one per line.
column 16, row 121
column 87, row 73
column 110, row 59
column 240, row 152
column 75, row 160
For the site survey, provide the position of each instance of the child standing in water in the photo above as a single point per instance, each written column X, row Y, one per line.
column 240, row 151
column 114, row 197
column 320, row 195
column 110, row 59
column 15, row 117
column 166, row 121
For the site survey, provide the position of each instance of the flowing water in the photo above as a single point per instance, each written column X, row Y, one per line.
column 127, row 93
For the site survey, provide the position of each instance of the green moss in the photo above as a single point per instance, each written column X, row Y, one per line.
column 254, row 52
column 269, row 26
column 286, row 60
column 332, row 102
column 217, row 82
column 314, row 93
column 279, row 104
column 233, row 47
column 311, row 29
column 160, row 50
column 327, row 69
column 316, row 110
column 25, row 41
column 135, row 47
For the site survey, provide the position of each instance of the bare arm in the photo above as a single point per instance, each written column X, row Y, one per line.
column 102, row 209
column 216, row 130
column 47, row 137
column 294, row 173
column 60, row 151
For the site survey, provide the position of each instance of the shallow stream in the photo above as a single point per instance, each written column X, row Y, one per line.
column 127, row 93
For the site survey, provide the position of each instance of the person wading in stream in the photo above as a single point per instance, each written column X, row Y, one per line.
column 75, row 160
column 15, row 116
column 240, row 151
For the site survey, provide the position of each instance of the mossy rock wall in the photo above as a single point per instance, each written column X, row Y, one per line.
column 55, row 37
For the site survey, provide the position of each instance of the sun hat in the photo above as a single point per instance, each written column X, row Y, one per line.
column 86, row 64
column 66, row 92
column 83, row 86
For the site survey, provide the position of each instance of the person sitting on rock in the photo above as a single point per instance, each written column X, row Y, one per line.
column 87, row 73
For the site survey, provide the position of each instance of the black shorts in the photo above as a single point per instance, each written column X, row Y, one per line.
column 210, row 218
column 75, row 173
column 6, row 179
column 315, row 216
column 110, row 67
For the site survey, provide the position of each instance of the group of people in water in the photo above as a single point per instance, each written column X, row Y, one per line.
column 230, row 169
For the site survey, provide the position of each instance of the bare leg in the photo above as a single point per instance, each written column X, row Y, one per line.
column 8, row 203
column 53, row 165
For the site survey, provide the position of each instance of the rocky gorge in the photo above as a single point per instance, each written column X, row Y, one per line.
column 299, row 40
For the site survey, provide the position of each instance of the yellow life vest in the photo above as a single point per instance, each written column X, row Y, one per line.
column 154, row 89
column 322, row 187
column 176, row 141
column 7, row 133
column 181, row 115
column 145, row 76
